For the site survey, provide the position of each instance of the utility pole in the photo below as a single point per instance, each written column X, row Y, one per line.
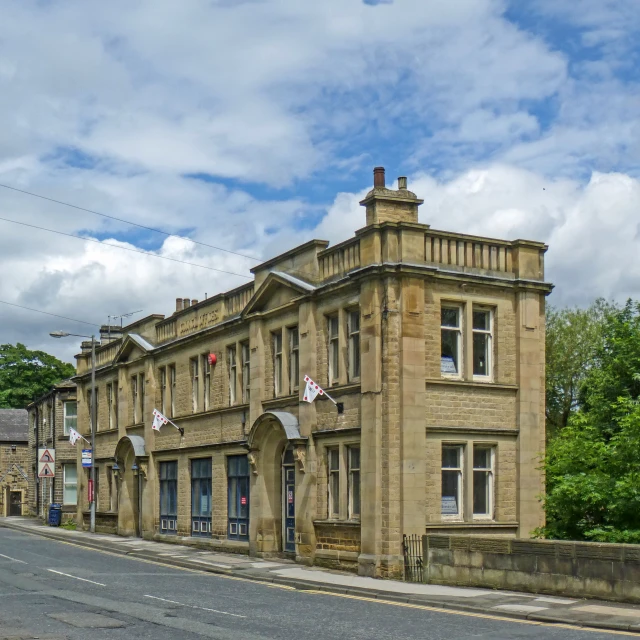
column 93, row 435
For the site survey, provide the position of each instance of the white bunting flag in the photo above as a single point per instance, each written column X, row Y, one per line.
column 74, row 436
column 311, row 390
column 158, row 420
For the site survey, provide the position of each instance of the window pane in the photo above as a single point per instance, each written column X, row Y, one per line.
column 450, row 317
column 481, row 458
column 335, row 354
column 451, row 457
column 355, row 493
column 481, row 487
column 173, row 498
column 480, row 354
column 233, row 502
column 70, row 495
column 449, row 362
column 333, row 460
column 333, row 326
column 481, row 320
column 335, row 493
column 354, row 462
column 70, row 473
column 450, row 491
column 243, row 495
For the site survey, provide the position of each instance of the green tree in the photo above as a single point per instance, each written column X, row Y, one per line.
column 26, row 375
column 573, row 340
column 616, row 368
column 592, row 465
column 593, row 480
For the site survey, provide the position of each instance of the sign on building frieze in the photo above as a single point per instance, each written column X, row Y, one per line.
column 197, row 322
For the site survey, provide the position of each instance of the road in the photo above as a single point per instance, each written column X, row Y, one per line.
column 50, row 589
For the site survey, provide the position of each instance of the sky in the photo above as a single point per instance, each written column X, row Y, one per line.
column 254, row 125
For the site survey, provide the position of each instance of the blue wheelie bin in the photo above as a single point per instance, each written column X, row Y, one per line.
column 55, row 514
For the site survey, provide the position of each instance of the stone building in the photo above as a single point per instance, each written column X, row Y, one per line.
column 50, row 418
column 14, row 462
column 431, row 342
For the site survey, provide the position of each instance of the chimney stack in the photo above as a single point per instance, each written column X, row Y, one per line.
column 194, row 302
column 378, row 178
column 389, row 205
column 186, row 303
column 178, row 304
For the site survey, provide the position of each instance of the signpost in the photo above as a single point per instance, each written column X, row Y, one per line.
column 86, row 458
column 46, row 463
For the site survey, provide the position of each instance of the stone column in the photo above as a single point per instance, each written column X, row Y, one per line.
column 390, row 436
column 530, row 363
column 306, row 468
column 371, row 297
column 412, row 407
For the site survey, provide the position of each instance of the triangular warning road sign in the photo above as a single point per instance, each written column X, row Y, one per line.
column 46, row 456
column 46, row 472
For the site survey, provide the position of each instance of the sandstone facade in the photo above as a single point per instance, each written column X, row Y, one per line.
column 431, row 342
column 15, row 481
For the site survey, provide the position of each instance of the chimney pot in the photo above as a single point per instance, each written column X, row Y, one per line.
column 194, row 302
column 178, row 304
column 186, row 303
column 378, row 177
column 402, row 182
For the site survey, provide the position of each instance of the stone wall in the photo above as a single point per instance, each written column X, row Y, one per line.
column 337, row 545
column 577, row 569
column 15, row 463
column 477, row 406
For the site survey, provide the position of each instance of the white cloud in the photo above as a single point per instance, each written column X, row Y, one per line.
column 109, row 105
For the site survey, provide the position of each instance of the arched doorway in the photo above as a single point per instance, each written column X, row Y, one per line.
column 131, row 459
column 274, row 445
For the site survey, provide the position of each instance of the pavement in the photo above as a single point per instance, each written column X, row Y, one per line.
column 549, row 612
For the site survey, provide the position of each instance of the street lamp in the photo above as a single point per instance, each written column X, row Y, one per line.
column 92, row 504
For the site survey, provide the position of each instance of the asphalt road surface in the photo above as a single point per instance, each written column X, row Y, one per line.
column 50, row 589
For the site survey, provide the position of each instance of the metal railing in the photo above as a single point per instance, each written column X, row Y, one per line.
column 413, row 558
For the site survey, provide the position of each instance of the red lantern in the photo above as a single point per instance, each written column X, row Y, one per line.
column 212, row 359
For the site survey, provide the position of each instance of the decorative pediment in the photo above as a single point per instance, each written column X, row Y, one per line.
column 277, row 290
column 133, row 347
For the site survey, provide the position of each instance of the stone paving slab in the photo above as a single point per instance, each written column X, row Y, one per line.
column 508, row 604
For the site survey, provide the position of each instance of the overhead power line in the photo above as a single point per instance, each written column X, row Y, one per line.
column 115, row 246
column 134, row 224
column 55, row 315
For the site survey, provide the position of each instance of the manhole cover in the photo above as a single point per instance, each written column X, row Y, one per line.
column 88, row 620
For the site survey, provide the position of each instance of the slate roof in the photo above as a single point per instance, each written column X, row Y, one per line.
column 14, row 425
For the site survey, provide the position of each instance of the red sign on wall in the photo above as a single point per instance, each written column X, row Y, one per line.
column 90, row 491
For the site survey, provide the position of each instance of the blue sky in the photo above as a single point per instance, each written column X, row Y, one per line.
column 254, row 125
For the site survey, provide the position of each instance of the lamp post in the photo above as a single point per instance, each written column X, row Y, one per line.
column 92, row 504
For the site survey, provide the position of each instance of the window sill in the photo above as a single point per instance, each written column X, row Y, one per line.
column 338, row 523
column 115, row 430
column 468, row 383
column 138, row 425
column 491, row 524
